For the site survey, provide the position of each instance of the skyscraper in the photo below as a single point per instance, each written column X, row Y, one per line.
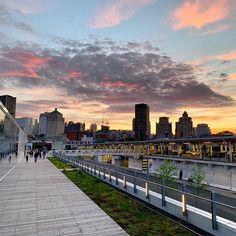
column 29, row 125
column 10, row 103
column 141, row 122
column 164, row 128
column 184, row 127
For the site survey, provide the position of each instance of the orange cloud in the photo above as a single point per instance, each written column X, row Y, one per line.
column 119, row 83
column 199, row 13
column 227, row 56
column 232, row 76
column 73, row 74
column 118, row 11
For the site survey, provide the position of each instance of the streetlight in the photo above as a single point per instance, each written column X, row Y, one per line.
column 148, row 152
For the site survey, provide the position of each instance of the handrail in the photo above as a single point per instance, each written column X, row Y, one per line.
column 150, row 182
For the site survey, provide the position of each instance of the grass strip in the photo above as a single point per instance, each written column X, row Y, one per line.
column 60, row 164
column 133, row 217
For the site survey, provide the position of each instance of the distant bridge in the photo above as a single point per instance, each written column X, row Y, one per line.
column 212, row 148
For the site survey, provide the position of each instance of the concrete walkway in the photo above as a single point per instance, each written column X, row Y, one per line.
column 37, row 199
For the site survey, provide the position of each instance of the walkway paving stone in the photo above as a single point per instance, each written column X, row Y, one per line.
column 37, row 199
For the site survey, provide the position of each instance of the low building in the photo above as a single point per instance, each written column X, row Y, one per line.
column 164, row 128
column 75, row 131
column 202, row 130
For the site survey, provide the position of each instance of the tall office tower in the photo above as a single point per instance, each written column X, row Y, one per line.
column 164, row 128
column 43, row 123
column 141, row 122
column 184, row 127
column 10, row 103
column 51, row 124
column 29, row 125
column 203, row 130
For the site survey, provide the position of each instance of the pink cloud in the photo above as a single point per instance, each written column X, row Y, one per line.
column 117, row 11
column 22, row 63
column 73, row 74
column 198, row 13
column 25, row 6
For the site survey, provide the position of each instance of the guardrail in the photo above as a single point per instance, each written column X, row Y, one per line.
column 198, row 211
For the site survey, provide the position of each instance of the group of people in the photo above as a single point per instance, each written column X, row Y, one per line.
column 37, row 153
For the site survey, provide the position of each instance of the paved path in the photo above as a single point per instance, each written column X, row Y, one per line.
column 37, row 199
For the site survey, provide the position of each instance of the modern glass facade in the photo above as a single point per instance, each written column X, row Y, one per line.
column 12, row 141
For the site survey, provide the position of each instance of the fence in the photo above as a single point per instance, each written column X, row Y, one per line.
column 205, row 213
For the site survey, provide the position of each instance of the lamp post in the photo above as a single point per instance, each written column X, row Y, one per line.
column 148, row 152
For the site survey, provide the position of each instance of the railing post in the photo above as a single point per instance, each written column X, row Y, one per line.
column 117, row 177
column 95, row 172
column 163, row 201
column 184, row 205
column 104, row 175
column 146, row 190
column 124, row 183
column 99, row 174
column 91, row 169
column 134, row 181
column 110, row 175
column 213, row 211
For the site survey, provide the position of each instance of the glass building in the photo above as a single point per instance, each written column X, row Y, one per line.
column 12, row 141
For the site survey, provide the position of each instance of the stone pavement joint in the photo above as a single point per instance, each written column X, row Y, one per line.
column 37, row 199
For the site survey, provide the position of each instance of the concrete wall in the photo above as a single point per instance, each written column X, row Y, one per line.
column 216, row 175
column 135, row 164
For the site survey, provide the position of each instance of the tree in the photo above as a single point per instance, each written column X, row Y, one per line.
column 164, row 174
column 198, row 177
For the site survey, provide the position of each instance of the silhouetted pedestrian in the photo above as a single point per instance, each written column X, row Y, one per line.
column 180, row 174
column 27, row 157
column 35, row 156
column 44, row 154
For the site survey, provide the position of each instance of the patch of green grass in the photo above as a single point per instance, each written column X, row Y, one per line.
column 133, row 217
column 60, row 164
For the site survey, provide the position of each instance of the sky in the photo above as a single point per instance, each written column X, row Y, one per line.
column 95, row 59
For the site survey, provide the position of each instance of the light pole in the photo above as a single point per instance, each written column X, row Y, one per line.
column 148, row 152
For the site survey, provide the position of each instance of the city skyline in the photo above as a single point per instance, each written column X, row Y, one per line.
column 94, row 57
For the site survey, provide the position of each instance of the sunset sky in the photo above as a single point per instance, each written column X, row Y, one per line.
column 97, row 58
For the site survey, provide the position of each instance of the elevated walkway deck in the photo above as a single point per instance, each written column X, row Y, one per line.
column 37, row 199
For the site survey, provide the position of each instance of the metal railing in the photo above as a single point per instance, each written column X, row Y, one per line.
column 209, row 207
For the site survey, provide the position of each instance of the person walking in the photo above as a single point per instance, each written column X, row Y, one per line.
column 35, row 156
column 44, row 154
column 27, row 157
